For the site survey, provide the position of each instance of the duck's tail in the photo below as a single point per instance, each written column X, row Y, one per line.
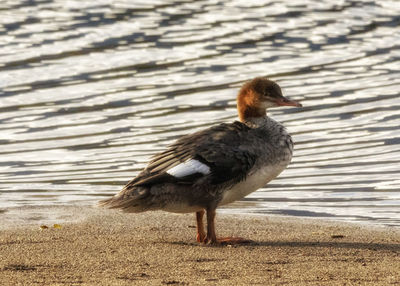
column 132, row 201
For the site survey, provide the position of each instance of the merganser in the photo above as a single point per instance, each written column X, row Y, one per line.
column 215, row 166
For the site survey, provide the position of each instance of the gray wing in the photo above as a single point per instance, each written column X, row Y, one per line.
column 218, row 148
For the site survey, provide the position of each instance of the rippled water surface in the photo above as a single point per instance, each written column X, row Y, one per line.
column 91, row 89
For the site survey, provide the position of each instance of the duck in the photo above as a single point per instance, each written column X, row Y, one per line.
column 216, row 166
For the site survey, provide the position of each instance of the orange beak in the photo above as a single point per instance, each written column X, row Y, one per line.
column 283, row 101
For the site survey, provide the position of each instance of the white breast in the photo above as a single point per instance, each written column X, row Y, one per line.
column 255, row 180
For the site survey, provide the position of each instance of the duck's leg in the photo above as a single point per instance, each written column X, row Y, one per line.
column 201, row 235
column 211, row 236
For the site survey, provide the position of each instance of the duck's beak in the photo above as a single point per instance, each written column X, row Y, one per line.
column 283, row 101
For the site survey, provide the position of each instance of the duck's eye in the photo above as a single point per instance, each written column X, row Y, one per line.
column 266, row 93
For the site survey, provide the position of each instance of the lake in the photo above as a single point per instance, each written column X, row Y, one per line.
column 90, row 90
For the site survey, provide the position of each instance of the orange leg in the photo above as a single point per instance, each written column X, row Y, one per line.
column 200, row 226
column 211, row 237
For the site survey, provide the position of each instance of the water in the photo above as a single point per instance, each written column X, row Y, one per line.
column 91, row 89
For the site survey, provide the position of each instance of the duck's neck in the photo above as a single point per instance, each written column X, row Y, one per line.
column 247, row 113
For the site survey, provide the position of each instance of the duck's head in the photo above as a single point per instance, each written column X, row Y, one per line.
column 257, row 95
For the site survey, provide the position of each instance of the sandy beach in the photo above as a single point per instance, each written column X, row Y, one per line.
column 157, row 248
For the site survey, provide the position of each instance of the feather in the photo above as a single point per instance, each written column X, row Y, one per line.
column 188, row 168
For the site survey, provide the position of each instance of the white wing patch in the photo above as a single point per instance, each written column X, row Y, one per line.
column 189, row 167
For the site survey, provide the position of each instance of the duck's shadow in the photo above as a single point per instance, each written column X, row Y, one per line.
column 303, row 244
column 330, row 244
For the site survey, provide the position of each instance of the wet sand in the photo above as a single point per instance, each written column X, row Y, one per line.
column 110, row 248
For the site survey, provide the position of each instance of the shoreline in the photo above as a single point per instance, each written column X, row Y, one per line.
column 156, row 248
column 27, row 216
